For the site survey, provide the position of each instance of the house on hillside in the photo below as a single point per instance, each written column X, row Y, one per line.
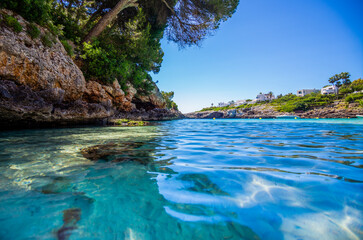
column 304, row 92
column 264, row 97
column 222, row 104
column 329, row 90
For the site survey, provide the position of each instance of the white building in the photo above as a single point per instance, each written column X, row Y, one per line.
column 264, row 97
column 239, row 102
column 304, row 92
column 329, row 90
column 222, row 104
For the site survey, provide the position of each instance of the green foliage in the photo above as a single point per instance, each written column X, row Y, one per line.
column 345, row 90
column 129, row 47
column 104, row 62
column 48, row 39
column 357, row 85
column 128, row 122
column 287, row 103
column 66, row 25
column 55, row 30
column 168, row 96
column 33, row 30
column 13, row 23
column 67, row 47
column 230, row 107
column 128, row 56
column 32, row 10
column 291, row 102
column 341, row 76
column 354, row 97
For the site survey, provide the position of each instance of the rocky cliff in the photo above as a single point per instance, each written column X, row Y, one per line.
column 42, row 85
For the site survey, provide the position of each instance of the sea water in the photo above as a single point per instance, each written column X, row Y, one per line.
column 185, row 179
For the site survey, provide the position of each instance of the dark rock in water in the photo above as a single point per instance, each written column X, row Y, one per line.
column 70, row 218
column 151, row 115
column 21, row 106
column 125, row 152
column 206, row 114
column 202, row 184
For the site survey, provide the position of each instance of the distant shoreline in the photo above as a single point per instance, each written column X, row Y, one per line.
column 334, row 110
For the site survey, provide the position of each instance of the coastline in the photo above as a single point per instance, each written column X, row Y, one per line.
column 266, row 111
column 43, row 86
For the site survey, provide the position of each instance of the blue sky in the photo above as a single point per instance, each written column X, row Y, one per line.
column 267, row 45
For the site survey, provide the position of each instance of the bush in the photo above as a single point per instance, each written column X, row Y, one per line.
column 357, row 85
column 345, row 90
column 32, row 10
column 12, row 22
column 291, row 102
column 47, row 40
column 168, row 96
column 354, row 97
column 289, row 107
column 104, row 63
column 66, row 26
column 33, row 30
column 67, row 47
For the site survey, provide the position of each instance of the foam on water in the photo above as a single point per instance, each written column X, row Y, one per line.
column 185, row 179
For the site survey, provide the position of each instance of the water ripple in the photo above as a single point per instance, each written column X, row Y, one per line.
column 187, row 179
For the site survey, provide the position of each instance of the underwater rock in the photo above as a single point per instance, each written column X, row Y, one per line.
column 201, row 183
column 127, row 122
column 70, row 218
column 124, row 152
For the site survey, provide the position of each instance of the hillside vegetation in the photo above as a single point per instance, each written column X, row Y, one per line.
column 348, row 93
column 119, row 39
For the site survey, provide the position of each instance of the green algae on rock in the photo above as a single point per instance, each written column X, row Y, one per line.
column 128, row 123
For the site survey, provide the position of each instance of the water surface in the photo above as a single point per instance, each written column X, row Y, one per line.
column 185, row 179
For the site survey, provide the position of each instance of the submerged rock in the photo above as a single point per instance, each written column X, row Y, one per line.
column 128, row 123
column 70, row 219
column 124, row 152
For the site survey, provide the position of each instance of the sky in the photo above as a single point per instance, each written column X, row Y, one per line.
column 267, row 45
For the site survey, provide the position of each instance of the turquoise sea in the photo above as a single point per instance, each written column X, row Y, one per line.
column 185, row 179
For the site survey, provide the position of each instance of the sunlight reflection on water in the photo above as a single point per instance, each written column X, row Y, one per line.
column 186, row 179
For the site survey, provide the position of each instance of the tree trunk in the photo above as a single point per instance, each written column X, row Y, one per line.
column 105, row 20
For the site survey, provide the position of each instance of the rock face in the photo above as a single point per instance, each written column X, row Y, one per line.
column 40, row 84
column 151, row 115
column 23, row 107
column 29, row 62
column 151, row 101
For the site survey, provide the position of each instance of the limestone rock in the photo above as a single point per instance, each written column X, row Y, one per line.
column 148, row 102
column 43, row 85
column 23, row 107
column 28, row 62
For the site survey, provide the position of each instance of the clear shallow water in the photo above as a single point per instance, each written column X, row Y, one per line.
column 198, row 179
